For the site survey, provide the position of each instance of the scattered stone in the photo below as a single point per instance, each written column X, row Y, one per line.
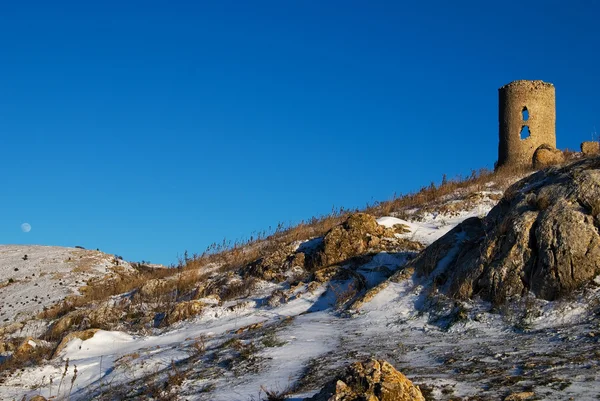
column 369, row 295
column 276, row 298
column 590, row 148
column 299, row 259
column 185, row 310
column 250, row 327
column 271, row 266
column 546, row 156
column 520, row 396
column 373, row 380
column 326, row 274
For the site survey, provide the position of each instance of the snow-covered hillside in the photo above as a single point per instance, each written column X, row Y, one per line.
column 291, row 337
column 37, row 277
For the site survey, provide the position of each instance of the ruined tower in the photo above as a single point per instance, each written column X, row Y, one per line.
column 527, row 117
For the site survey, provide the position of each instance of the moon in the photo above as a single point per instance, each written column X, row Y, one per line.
column 25, row 227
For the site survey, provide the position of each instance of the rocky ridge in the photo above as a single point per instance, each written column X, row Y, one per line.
column 542, row 237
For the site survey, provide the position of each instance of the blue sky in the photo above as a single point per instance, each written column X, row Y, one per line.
column 148, row 128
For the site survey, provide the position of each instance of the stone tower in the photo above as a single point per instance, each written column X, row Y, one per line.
column 527, row 117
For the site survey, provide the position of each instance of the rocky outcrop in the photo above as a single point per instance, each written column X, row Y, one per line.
column 65, row 323
column 542, row 237
column 373, row 380
column 185, row 310
column 154, row 287
column 358, row 235
column 354, row 237
column 590, row 148
column 27, row 346
column 272, row 266
column 82, row 335
column 546, row 155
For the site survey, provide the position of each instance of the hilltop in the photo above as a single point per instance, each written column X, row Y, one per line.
column 279, row 316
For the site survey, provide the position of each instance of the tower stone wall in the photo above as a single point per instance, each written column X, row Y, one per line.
column 525, row 106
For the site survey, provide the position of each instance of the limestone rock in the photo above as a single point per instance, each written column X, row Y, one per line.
column 65, row 323
column 153, row 287
column 6, row 346
column 326, row 274
column 185, row 310
column 299, row 259
column 372, row 380
column 525, row 395
column 104, row 317
column 546, row 155
column 82, row 335
column 276, row 298
column 27, row 346
column 590, row 148
column 270, row 267
column 358, row 234
column 542, row 237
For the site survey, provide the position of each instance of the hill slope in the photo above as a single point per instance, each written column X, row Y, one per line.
column 291, row 318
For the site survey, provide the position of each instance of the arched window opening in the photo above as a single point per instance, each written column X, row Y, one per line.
column 525, row 113
column 525, row 132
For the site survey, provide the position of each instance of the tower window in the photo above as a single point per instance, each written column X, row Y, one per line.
column 525, row 113
column 525, row 132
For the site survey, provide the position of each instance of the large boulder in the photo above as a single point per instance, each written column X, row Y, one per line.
column 373, row 380
column 358, row 234
column 67, row 322
column 546, row 155
column 542, row 237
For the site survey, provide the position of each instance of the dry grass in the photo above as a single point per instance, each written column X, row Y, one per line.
column 232, row 255
column 19, row 360
column 190, row 280
column 103, row 288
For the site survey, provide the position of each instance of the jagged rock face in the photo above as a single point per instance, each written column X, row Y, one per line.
column 542, row 237
column 373, row 380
